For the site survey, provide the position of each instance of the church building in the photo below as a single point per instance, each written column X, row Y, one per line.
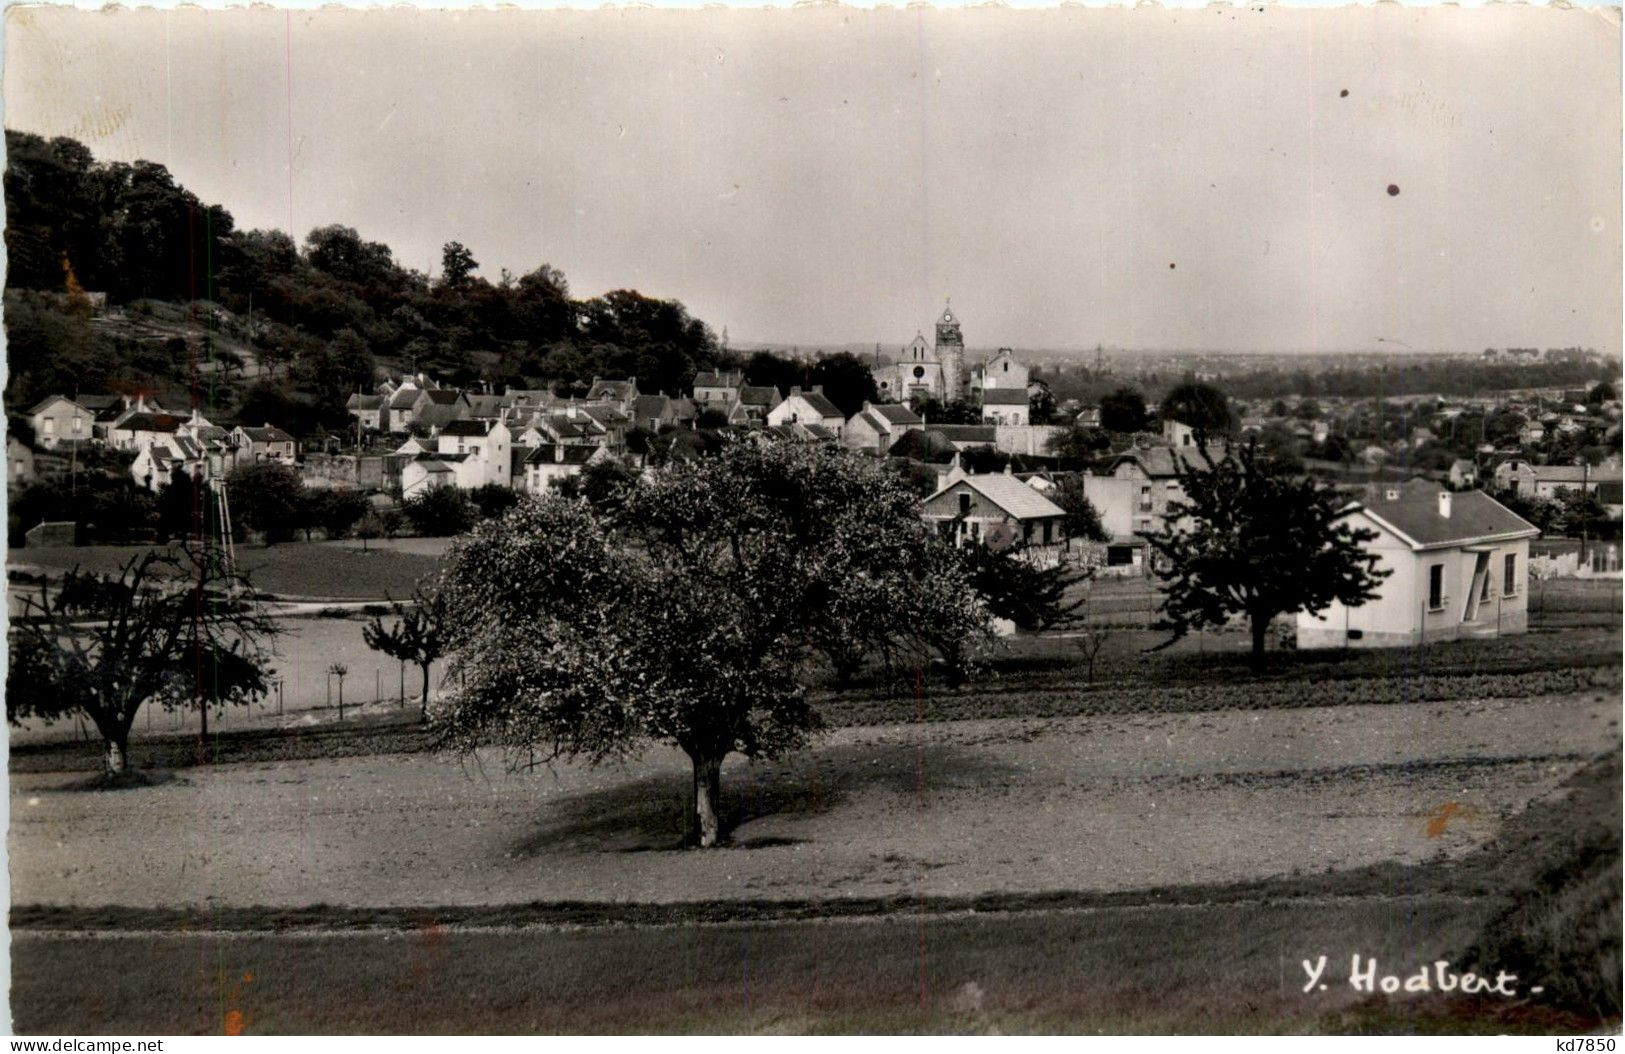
column 936, row 372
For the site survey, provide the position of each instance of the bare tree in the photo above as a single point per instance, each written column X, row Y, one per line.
column 419, row 634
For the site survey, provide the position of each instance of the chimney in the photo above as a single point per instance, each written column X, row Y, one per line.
column 1444, row 504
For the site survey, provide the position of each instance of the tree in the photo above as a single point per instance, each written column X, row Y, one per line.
column 689, row 619
column 438, row 512
column 1123, row 411
column 1080, row 444
column 268, row 497
column 605, row 483
column 1601, row 392
column 847, row 381
column 1031, row 595
column 1248, row 538
column 170, row 629
column 493, row 499
column 1082, row 518
column 339, row 670
column 335, row 511
column 419, row 635
column 1090, row 640
column 1041, row 406
column 457, row 263
column 1201, row 406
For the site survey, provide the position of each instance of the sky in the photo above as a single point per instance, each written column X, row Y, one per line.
column 1256, row 179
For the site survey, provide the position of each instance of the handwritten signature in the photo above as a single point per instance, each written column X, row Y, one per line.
column 1365, row 975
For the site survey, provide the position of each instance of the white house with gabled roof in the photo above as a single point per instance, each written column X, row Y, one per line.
column 997, row 510
column 810, row 407
column 1458, row 563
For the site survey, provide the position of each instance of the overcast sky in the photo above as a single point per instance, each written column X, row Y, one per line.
column 1142, row 178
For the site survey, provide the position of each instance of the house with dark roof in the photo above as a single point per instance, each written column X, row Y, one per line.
column 429, row 470
column 621, row 393
column 485, row 405
column 718, row 390
column 1006, row 406
column 755, row 403
column 874, row 429
column 484, row 444
column 368, row 410
column 547, row 466
column 1457, row 563
column 267, row 443
column 653, row 413
column 999, row 511
column 1545, row 481
column 142, row 429
column 809, row 407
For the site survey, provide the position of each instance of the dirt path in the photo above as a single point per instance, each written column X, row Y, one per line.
column 940, row 810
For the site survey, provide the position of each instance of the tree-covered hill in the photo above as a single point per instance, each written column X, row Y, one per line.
column 308, row 322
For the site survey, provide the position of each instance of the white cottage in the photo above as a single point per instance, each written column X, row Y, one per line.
column 1460, row 568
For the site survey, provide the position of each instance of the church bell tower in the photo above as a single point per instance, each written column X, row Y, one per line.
column 951, row 353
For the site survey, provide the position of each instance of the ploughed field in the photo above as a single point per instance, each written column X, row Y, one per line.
column 1017, row 805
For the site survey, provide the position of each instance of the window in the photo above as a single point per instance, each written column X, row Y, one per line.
column 964, row 504
column 1435, row 587
column 1509, row 585
column 1047, row 528
column 50, row 426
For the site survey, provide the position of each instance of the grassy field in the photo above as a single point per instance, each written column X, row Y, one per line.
column 324, row 570
column 1192, row 964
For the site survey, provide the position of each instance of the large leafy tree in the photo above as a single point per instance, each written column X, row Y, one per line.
column 172, row 629
column 1123, row 410
column 690, row 619
column 1032, row 595
column 269, row 497
column 1201, row 406
column 1249, row 538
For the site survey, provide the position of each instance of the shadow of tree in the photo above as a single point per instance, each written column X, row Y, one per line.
column 647, row 814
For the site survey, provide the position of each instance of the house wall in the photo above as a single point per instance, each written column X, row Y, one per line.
column 1026, row 438
column 541, row 476
column 1001, row 414
column 1114, row 498
column 861, row 435
column 415, row 476
column 62, row 422
column 1151, row 496
column 796, row 410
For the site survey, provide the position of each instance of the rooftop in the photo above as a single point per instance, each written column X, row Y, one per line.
column 1008, row 493
column 1414, row 511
